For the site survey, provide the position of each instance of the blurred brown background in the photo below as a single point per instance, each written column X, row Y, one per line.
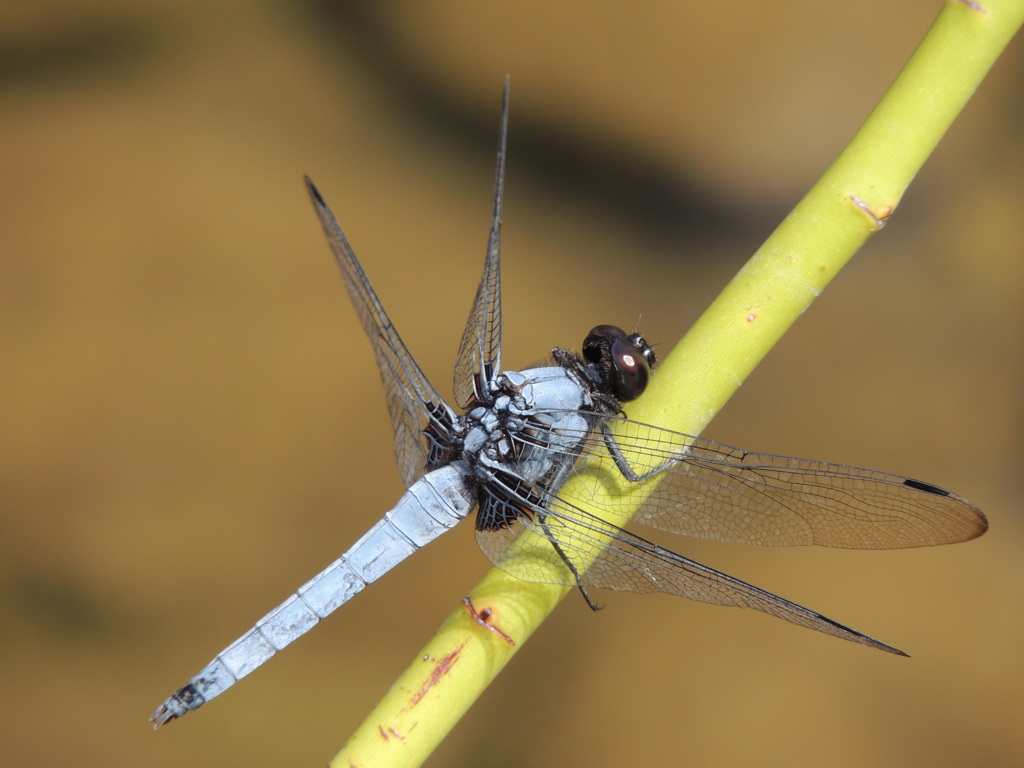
column 192, row 421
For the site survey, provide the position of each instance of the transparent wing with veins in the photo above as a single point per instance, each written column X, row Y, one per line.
column 716, row 492
column 479, row 357
column 712, row 491
column 413, row 403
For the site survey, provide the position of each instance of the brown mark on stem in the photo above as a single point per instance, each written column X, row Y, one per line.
column 483, row 618
column 878, row 215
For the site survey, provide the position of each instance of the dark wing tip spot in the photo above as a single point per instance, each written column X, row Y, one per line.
column 314, row 192
column 917, row 485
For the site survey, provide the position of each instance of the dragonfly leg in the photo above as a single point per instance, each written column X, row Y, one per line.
column 570, row 565
column 623, row 463
column 586, row 596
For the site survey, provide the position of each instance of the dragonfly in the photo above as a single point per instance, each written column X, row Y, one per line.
column 523, row 448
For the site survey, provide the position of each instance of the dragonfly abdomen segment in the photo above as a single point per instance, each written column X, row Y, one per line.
column 433, row 505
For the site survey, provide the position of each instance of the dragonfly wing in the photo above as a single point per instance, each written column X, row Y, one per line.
column 479, row 357
column 414, row 405
column 713, row 491
column 565, row 545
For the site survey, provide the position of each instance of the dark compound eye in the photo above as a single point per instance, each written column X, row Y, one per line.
column 599, row 341
column 625, row 359
column 630, row 371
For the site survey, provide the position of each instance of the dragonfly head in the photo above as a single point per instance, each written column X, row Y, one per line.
column 623, row 361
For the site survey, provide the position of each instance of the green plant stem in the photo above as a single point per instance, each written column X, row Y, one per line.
column 851, row 201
